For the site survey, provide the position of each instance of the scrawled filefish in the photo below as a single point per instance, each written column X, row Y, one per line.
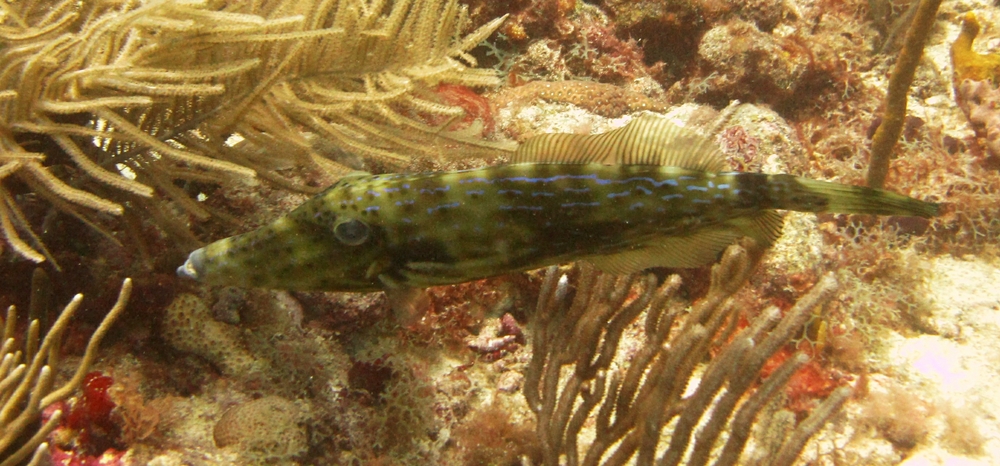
column 647, row 194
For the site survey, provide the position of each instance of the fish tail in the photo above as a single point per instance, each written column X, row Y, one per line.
column 806, row 195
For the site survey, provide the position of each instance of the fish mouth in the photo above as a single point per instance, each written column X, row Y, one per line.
column 193, row 266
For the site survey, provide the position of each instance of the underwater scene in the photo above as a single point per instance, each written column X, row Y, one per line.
column 474, row 232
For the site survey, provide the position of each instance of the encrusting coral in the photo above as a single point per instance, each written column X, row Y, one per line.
column 576, row 378
column 265, row 429
column 127, row 98
column 26, row 388
column 188, row 327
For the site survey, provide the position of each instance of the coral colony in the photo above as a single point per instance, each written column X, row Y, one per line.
column 133, row 133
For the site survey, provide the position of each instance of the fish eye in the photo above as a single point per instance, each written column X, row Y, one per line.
column 351, row 231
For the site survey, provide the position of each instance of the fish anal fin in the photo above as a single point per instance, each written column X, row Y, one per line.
column 695, row 249
column 764, row 228
column 646, row 140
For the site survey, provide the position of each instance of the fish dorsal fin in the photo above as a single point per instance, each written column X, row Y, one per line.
column 354, row 174
column 693, row 250
column 646, row 140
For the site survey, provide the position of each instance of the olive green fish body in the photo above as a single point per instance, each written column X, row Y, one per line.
column 373, row 232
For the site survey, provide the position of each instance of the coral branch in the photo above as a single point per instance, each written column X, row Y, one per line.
column 578, row 377
column 889, row 130
column 29, row 386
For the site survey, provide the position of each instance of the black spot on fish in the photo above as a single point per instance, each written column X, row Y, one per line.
column 425, row 251
column 752, row 191
column 404, row 230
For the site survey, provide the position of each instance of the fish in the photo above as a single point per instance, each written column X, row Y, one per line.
column 648, row 194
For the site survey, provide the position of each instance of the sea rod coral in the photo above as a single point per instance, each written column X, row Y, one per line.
column 899, row 84
column 577, row 379
column 26, row 378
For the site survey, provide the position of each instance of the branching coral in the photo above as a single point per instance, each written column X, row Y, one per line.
column 576, row 376
column 132, row 96
column 26, row 388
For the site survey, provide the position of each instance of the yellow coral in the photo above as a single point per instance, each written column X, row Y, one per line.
column 968, row 63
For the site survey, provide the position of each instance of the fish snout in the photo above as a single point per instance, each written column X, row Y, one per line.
column 193, row 267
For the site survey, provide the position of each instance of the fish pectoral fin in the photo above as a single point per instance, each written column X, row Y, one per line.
column 646, row 140
column 408, row 304
column 693, row 250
